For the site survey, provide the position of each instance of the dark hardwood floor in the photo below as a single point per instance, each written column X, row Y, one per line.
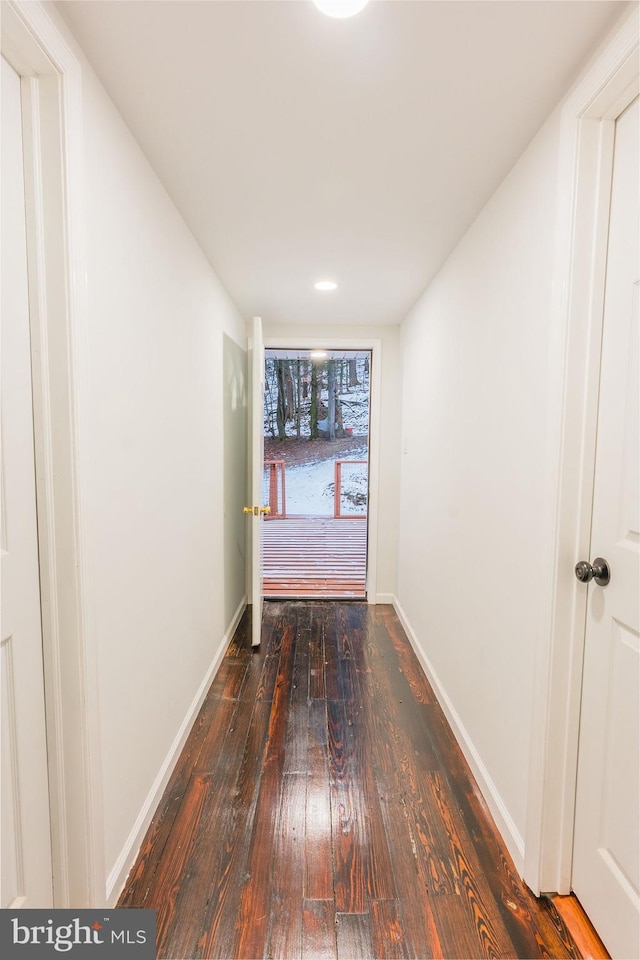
column 322, row 808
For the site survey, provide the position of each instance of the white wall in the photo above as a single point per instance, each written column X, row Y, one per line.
column 235, row 470
column 389, row 439
column 167, row 366
column 473, row 489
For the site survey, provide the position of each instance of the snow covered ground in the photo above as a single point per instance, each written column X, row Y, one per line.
column 309, row 488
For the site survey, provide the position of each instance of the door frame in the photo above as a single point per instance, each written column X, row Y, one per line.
column 255, row 461
column 51, row 86
column 583, row 199
column 300, row 342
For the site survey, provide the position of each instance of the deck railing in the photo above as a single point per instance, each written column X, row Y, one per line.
column 277, row 495
column 277, row 490
column 337, row 492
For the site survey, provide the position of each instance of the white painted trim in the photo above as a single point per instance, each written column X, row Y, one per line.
column 505, row 824
column 120, row 871
column 386, row 598
column 584, row 179
column 300, row 342
column 256, row 435
column 52, row 84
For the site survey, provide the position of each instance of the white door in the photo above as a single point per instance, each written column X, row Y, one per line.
column 257, row 471
column 26, row 841
column 606, row 842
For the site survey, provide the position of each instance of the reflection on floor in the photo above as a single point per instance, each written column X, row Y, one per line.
column 321, row 808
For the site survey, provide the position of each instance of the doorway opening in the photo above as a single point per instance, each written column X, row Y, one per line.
column 316, row 472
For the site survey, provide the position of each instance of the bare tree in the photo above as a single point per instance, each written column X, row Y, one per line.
column 281, row 410
column 313, row 426
column 331, row 401
column 298, row 398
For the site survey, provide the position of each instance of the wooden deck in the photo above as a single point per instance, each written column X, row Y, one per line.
column 314, row 557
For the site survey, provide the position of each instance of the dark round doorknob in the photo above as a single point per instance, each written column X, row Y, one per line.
column 598, row 571
column 584, row 571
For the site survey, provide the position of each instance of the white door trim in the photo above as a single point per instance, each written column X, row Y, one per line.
column 256, row 442
column 54, row 180
column 300, row 342
column 584, row 182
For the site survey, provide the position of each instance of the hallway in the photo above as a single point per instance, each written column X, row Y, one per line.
column 321, row 808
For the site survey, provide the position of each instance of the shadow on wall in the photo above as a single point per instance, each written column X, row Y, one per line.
column 234, row 412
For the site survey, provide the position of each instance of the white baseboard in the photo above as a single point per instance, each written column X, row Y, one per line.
column 384, row 598
column 118, row 875
column 506, row 827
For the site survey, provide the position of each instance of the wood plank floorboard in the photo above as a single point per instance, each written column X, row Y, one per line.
column 590, row 944
column 319, row 930
column 321, row 808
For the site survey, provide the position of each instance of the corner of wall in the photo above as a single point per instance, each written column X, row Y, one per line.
column 385, row 598
column 120, row 870
column 503, row 820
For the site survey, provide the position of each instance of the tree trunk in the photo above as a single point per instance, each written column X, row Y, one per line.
column 281, row 415
column 288, row 390
column 331, row 402
column 353, row 372
column 314, row 403
column 298, row 399
column 269, row 404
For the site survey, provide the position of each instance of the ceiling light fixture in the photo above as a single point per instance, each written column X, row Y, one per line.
column 325, row 285
column 318, row 354
column 341, row 8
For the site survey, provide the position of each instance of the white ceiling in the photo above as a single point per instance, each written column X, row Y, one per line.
column 298, row 147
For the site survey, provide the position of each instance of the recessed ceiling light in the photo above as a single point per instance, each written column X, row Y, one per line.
column 325, row 285
column 341, row 8
column 318, row 354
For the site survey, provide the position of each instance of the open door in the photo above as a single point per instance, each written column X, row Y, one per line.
column 256, row 510
column 25, row 879
column 316, row 425
column 606, row 871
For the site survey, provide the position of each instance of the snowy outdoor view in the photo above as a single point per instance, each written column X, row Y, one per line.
column 316, row 414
